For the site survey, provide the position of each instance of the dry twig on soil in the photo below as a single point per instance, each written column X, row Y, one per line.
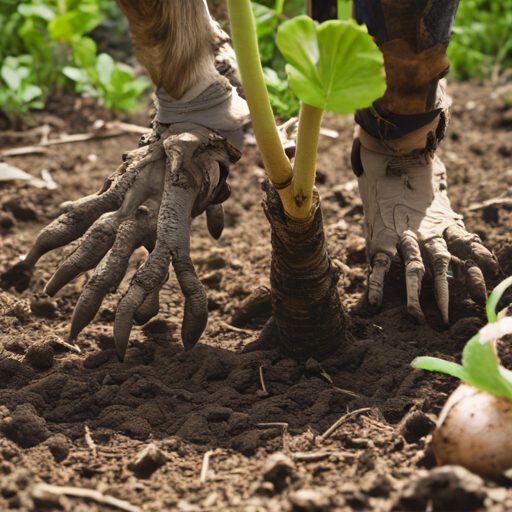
column 330, row 431
column 90, row 442
column 205, row 467
column 263, row 391
column 101, row 131
column 235, row 329
column 286, row 442
column 88, row 494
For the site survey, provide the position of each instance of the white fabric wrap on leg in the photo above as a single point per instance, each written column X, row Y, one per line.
column 403, row 187
column 218, row 108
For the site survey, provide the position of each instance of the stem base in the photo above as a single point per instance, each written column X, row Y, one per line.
column 307, row 307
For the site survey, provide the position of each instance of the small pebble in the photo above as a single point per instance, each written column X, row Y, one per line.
column 278, row 470
column 148, row 461
column 212, row 279
column 6, row 221
column 215, row 261
column 308, row 500
column 59, row 447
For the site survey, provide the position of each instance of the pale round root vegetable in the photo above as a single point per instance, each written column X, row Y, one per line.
column 475, row 431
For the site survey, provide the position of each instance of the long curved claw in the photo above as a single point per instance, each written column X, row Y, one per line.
column 132, row 234
column 86, row 256
column 469, row 272
column 467, row 246
column 173, row 240
column 150, row 307
column 439, row 258
column 79, row 217
column 215, row 220
column 414, row 272
column 380, row 266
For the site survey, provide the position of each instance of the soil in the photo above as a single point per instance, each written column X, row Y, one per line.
column 81, row 419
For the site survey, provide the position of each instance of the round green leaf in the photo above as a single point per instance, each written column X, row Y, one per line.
column 333, row 66
column 75, row 74
column 85, row 52
column 105, row 66
column 11, row 77
column 297, row 41
column 41, row 10
column 31, row 92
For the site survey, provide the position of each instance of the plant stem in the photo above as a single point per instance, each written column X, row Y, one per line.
column 310, row 119
column 245, row 42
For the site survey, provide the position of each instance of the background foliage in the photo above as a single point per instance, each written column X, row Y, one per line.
column 481, row 45
column 51, row 46
column 82, row 46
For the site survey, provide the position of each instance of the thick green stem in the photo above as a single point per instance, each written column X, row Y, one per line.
column 310, row 119
column 245, row 42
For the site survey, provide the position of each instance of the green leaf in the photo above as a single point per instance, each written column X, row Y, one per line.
column 26, row 59
column 73, row 24
column 334, row 66
column 266, row 22
column 273, row 80
column 12, row 77
column 31, row 92
column 75, row 74
column 136, row 87
column 61, row 27
column 41, row 10
column 105, row 65
column 36, row 104
column 435, row 364
column 495, row 297
column 125, row 68
column 85, row 52
column 481, row 365
column 119, row 78
column 297, row 40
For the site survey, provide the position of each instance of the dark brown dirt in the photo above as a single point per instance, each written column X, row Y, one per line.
column 79, row 420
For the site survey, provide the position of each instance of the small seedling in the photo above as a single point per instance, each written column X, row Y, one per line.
column 475, row 425
column 19, row 95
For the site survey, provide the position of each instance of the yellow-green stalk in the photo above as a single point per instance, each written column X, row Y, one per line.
column 310, row 119
column 295, row 187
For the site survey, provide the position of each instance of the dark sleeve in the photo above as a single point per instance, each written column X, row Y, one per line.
column 395, row 19
column 369, row 13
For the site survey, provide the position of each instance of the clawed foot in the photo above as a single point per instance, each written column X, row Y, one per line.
column 407, row 211
column 154, row 195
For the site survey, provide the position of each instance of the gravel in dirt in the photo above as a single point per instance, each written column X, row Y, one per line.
column 166, row 408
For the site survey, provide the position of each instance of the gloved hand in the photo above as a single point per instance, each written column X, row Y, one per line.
column 403, row 187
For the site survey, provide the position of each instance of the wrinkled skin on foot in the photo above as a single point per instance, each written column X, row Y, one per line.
column 150, row 201
column 407, row 211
